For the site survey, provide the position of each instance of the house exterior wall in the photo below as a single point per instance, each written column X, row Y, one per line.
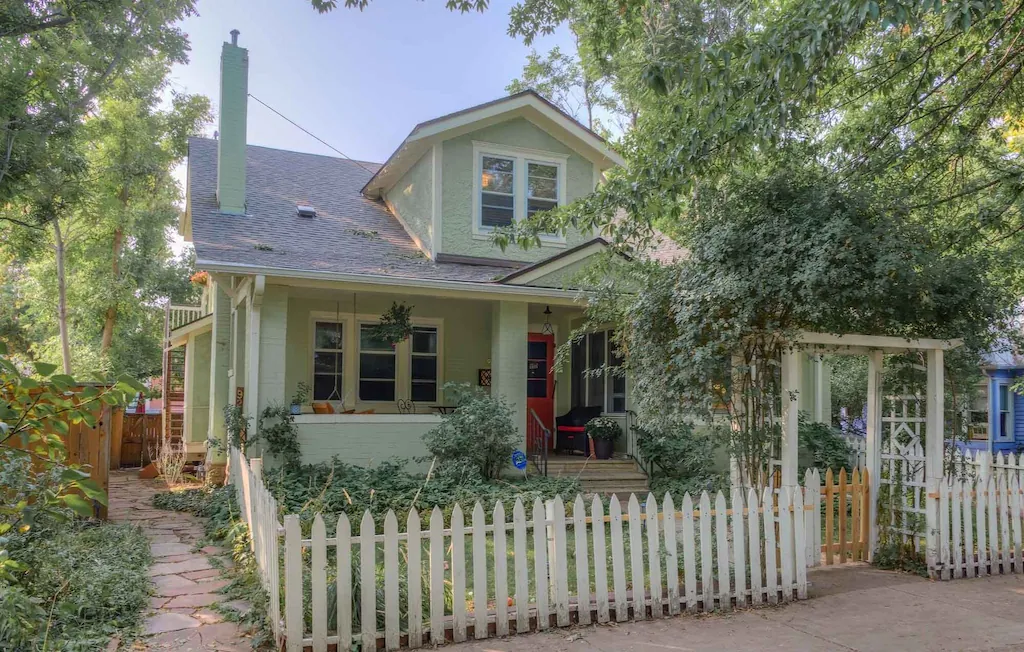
column 562, row 278
column 412, row 199
column 1016, row 439
column 364, row 439
column 457, row 181
column 220, row 357
column 197, row 395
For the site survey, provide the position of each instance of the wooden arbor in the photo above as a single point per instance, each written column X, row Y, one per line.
column 874, row 347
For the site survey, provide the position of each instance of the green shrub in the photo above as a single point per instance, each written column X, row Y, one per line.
column 481, row 431
column 84, row 582
column 824, row 446
column 679, row 460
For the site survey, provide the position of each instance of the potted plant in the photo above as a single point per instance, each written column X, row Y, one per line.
column 395, row 324
column 603, row 431
column 300, row 397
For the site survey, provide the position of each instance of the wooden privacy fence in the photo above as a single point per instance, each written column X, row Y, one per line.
column 847, row 507
column 138, row 435
column 259, row 509
column 543, row 568
column 979, row 527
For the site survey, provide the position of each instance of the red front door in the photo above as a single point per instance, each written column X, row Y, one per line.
column 540, row 381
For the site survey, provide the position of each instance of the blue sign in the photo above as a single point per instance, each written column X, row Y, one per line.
column 519, row 460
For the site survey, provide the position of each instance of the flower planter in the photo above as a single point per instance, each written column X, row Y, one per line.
column 603, row 448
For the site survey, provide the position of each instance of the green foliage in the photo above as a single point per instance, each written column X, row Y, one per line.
column 278, row 432
column 83, row 583
column 235, row 424
column 679, row 459
column 898, row 555
column 302, row 393
column 603, row 428
column 395, row 325
column 480, row 431
column 824, row 446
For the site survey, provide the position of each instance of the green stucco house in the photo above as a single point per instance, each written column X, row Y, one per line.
column 305, row 252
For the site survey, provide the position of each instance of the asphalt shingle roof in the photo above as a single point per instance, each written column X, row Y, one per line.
column 350, row 234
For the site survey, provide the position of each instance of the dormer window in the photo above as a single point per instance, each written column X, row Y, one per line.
column 512, row 184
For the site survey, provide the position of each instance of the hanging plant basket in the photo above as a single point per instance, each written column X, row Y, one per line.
column 395, row 325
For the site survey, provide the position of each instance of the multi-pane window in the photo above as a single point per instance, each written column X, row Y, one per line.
column 497, row 191
column 1005, row 425
column 423, row 378
column 328, row 361
column 376, row 366
column 541, row 187
column 591, row 387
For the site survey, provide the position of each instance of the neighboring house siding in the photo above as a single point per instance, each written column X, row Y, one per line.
column 1018, row 420
column 458, row 187
column 412, row 199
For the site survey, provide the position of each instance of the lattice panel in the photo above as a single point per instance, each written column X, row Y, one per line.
column 903, row 466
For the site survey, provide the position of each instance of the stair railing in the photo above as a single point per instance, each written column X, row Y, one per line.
column 538, row 438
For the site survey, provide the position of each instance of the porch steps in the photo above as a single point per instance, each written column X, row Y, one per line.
column 618, row 476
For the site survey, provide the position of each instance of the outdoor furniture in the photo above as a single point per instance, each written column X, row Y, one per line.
column 570, row 429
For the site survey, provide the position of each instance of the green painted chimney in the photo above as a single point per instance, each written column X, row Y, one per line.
column 234, row 95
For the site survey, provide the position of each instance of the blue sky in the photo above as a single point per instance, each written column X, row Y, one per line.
column 359, row 80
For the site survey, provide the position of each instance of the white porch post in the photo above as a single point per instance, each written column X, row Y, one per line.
column 792, row 381
column 252, row 367
column 509, row 328
column 220, row 350
column 190, row 389
column 934, row 442
column 739, row 406
column 873, row 454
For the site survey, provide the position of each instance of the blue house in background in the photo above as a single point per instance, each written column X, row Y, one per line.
column 997, row 416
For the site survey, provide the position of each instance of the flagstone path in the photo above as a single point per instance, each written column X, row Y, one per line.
column 185, row 580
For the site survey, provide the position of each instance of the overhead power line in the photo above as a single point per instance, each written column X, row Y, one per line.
column 311, row 134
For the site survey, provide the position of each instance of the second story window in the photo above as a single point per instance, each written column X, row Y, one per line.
column 497, row 191
column 514, row 184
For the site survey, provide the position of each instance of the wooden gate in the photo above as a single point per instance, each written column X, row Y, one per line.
column 139, row 433
column 847, row 512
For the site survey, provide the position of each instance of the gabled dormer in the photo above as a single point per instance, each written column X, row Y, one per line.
column 457, row 178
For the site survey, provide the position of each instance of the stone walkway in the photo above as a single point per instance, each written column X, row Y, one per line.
column 185, row 580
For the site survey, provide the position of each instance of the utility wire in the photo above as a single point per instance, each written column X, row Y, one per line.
column 309, row 133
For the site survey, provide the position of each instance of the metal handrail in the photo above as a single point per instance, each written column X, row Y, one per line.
column 535, row 429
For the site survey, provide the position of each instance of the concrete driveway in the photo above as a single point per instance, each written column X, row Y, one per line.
column 854, row 607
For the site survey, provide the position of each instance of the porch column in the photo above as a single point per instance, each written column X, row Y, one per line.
column 873, row 443
column 792, row 381
column 220, row 352
column 737, row 478
column 509, row 328
column 273, row 345
column 197, row 388
column 190, row 390
column 934, row 442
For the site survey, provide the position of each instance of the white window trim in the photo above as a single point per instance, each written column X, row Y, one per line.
column 438, row 390
column 999, row 437
column 521, row 157
column 605, row 378
column 359, row 353
column 350, row 376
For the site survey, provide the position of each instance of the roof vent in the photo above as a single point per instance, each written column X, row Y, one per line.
column 304, row 210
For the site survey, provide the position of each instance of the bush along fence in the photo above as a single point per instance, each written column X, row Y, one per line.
column 352, row 585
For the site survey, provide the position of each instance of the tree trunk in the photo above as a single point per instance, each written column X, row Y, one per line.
column 111, row 318
column 62, row 298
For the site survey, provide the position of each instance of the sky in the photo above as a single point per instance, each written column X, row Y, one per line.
column 359, row 80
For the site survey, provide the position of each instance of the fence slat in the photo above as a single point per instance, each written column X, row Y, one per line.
column 318, row 579
column 944, row 557
column 993, row 527
column 981, row 523
column 722, row 537
column 956, row 552
column 771, row 578
column 786, row 543
column 437, row 555
column 500, row 571
column 865, row 514
column 841, row 508
column 458, row 575
column 754, row 536
column 522, row 571
column 294, row 624
column 391, row 614
column 653, row 556
column 618, row 560
column 600, row 560
column 414, row 566
column 817, row 517
column 799, row 550
column 559, row 565
column 540, row 565
column 368, row 581
column 343, row 559
column 857, row 497
column 480, row 572
column 706, row 561
column 829, row 522
column 668, row 507
column 1015, row 520
column 689, row 555
column 970, row 561
column 579, row 535
column 636, row 559
column 739, row 548
column 1004, row 524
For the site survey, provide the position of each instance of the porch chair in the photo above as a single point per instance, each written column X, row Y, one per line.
column 570, row 429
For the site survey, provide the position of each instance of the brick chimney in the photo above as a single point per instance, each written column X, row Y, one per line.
column 234, row 95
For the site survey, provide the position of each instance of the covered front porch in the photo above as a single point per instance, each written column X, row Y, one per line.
column 278, row 341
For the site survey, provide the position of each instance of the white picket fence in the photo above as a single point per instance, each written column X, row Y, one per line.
column 858, row 449
column 980, row 527
column 259, row 509
column 455, row 581
column 985, row 465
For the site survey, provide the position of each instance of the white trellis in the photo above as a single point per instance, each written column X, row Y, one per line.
column 911, row 452
column 903, row 463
